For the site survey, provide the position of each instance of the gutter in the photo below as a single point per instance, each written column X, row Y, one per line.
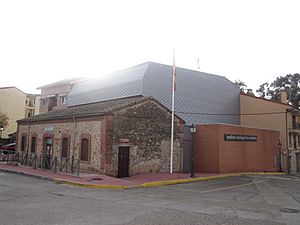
column 63, row 117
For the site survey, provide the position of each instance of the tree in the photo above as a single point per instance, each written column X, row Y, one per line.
column 263, row 90
column 3, row 120
column 289, row 82
column 243, row 87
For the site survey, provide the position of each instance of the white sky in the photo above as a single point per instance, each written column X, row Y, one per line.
column 45, row 41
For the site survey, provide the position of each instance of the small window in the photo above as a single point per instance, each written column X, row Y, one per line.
column 64, row 147
column 290, row 139
column 294, row 122
column 33, row 144
column 84, row 153
column 63, row 100
column 43, row 101
column 23, row 143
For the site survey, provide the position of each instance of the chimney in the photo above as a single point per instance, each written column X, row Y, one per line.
column 283, row 95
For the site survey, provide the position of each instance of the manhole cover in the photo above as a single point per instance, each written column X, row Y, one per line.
column 289, row 210
column 57, row 194
column 96, row 178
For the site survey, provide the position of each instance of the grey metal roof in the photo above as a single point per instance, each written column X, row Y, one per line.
column 116, row 85
column 62, row 82
column 92, row 109
column 196, row 92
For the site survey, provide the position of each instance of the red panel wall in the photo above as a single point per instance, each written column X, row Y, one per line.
column 215, row 155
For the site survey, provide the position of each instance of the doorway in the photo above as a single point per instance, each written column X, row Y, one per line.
column 298, row 162
column 123, row 162
column 47, row 151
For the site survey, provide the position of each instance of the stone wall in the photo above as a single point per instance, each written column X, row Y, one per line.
column 147, row 127
column 61, row 129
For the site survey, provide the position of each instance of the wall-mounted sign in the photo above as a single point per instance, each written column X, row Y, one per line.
column 123, row 142
column 237, row 137
column 48, row 128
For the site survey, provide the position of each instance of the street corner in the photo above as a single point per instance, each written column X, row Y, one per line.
column 90, row 185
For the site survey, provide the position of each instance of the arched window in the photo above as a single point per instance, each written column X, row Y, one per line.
column 33, row 144
column 64, row 147
column 23, row 142
column 84, row 153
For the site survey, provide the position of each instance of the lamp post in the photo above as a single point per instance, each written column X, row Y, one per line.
column 193, row 130
column 279, row 149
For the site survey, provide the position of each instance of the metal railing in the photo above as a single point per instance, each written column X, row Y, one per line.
column 8, row 157
column 55, row 164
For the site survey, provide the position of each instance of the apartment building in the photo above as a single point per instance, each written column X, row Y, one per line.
column 264, row 113
column 16, row 104
column 54, row 95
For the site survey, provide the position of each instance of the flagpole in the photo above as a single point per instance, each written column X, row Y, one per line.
column 173, row 103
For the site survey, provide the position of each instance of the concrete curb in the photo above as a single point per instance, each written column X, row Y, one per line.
column 78, row 184
column 196, row 179
column 165, row 182
column 148, row 184
column 27, row 174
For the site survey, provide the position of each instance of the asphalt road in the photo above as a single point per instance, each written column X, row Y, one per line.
column 245, row 200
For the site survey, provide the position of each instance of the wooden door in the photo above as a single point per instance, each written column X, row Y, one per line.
column 298, row 162
column 123, row 162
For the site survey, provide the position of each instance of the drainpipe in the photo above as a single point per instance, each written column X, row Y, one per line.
column 28, row 134
column 74, row 135
column 287, row 142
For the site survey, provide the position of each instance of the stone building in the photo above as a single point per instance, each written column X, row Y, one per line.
column 119, row 137
column 200, row 98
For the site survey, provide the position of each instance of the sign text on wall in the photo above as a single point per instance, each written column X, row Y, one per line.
column 238, row 137
column 48, row 128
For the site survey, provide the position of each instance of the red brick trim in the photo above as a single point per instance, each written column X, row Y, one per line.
column 17, row 139
column 103, row 145
column 47, row 135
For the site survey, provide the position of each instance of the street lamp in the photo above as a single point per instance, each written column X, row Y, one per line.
column 193, row 130
column 279, row 149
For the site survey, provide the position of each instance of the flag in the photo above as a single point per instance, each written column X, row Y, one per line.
column 174, row 73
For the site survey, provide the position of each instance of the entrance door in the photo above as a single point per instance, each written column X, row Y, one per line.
column 123, row 162
column 47, row 152
column 298, row 162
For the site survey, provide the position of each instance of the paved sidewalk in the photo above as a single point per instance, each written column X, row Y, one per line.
column 103, row 181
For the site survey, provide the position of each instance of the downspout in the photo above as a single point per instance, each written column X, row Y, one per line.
column 287, row 141
column 28, row 134
column 74, row 135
